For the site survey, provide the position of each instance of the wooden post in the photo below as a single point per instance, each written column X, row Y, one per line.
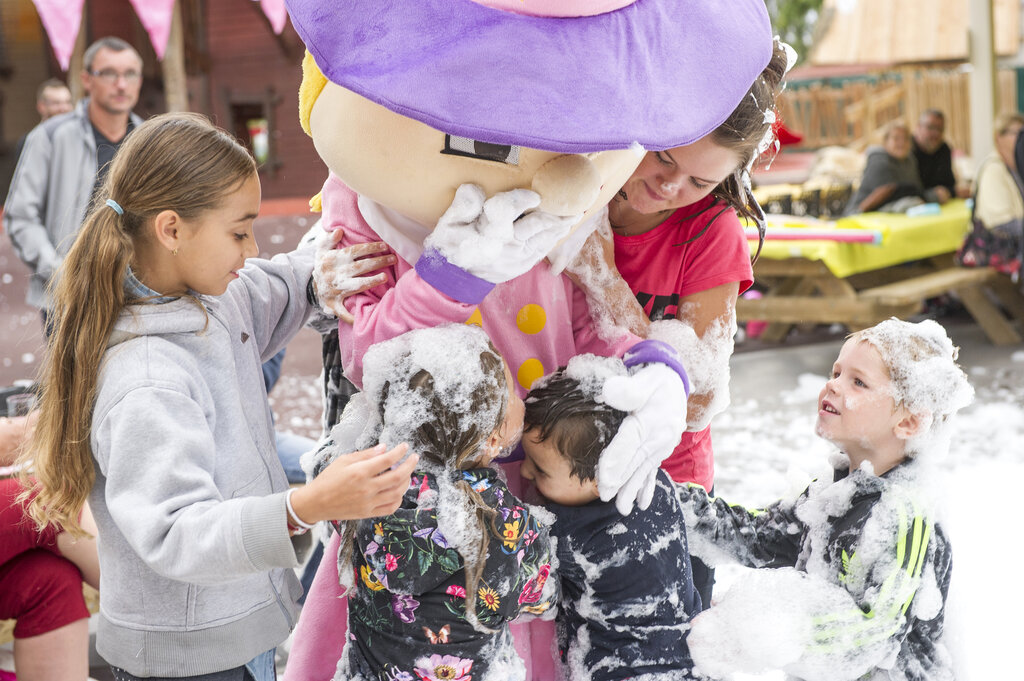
column 983, row 70
column 175, row 86
column 77, row 62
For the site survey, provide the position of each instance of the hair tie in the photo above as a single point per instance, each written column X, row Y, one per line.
column 116, row 206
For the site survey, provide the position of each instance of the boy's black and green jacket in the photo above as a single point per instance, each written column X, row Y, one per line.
column 870, row 535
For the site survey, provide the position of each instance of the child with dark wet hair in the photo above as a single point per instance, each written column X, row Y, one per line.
column 626, row 582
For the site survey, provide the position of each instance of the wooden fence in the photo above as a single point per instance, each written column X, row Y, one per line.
column 854, row 113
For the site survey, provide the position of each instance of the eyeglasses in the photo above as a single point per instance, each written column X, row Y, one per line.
column 110, row 76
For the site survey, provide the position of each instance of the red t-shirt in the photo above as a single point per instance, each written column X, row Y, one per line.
column 682, row 256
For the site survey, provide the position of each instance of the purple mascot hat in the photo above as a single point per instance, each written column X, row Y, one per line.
column 571, row 76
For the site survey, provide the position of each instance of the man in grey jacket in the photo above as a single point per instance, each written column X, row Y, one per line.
column 64, row 161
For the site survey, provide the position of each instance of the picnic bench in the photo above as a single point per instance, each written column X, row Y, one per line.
column 860, row 284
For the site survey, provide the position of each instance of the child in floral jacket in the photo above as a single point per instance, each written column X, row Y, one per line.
column 408, row 612
column 436, row 583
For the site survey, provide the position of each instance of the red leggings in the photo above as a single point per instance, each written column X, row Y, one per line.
column 38, row 587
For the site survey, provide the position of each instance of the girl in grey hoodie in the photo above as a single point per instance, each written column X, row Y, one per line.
column 153, row 408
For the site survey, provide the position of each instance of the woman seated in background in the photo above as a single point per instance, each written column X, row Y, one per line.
column 998, row 189
column 890, row 182
column 997, row 231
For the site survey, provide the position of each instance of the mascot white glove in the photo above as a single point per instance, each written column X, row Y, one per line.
column 654, row 395
column 499, row 238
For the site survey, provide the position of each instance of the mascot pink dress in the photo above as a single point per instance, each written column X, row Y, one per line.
column 473, row 138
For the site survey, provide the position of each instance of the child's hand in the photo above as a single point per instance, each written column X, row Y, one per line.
column 358, row 485
column 339, row 272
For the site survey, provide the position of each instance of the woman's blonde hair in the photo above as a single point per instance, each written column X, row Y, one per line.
column 179, row 162
column 893, row 126
column 1005, row 120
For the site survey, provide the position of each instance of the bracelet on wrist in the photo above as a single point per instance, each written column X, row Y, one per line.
column 295, row 524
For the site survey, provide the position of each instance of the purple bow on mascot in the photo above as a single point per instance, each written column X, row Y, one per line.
column 481, row 141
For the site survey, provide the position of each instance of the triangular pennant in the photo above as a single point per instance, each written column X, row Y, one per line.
column 61, row 19
column 275, row 11
column 155, row 16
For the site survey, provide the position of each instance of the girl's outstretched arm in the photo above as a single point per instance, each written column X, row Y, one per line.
column 610, row 299
column 365, row 484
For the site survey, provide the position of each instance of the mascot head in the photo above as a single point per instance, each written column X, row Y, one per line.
column 408, row 99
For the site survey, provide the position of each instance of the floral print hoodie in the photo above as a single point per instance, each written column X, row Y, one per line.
column 407, row 611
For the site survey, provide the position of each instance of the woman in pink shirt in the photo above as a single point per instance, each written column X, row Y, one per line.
column 678, row 245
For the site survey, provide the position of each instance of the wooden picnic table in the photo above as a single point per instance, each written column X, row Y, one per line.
column 861, row 284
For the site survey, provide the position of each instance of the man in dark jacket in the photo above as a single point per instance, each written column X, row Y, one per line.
column 934, row 157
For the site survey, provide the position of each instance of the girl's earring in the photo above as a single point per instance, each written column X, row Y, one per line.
column 174, row 252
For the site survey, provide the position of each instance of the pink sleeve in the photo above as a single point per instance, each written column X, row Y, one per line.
column 585, row 331
column 403, row 303
column 390, row 310
column 320, row 633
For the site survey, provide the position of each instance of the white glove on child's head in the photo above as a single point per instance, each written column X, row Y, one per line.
column 654, row 395
column 499, row 238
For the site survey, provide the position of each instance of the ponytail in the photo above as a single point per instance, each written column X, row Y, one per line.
column 486, row 523
column 88, row 296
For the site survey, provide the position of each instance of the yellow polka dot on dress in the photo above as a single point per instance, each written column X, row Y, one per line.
column 531, row 319
column 529, row 371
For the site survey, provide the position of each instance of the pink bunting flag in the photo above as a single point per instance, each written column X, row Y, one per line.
column 156, row 16
column 275, row 11
column 61, row 19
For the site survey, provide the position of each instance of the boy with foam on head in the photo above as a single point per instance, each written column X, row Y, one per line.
column 865, row 567
column 627, row 589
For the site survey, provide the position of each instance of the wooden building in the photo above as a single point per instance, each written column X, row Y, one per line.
column 874, row 61
column 223, row 59
column 902, row 32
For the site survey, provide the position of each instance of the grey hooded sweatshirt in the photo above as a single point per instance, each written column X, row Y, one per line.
column 195, row 558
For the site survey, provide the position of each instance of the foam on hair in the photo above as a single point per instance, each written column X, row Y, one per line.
column 926, row 380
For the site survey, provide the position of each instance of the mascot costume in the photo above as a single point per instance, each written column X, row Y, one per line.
column 473, row 137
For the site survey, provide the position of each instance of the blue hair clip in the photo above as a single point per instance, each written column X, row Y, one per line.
column 116, row 206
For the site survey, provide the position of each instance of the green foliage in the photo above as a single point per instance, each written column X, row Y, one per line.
column 794, row 21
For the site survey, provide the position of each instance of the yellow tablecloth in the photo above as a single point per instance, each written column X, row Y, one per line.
column 904, row 239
